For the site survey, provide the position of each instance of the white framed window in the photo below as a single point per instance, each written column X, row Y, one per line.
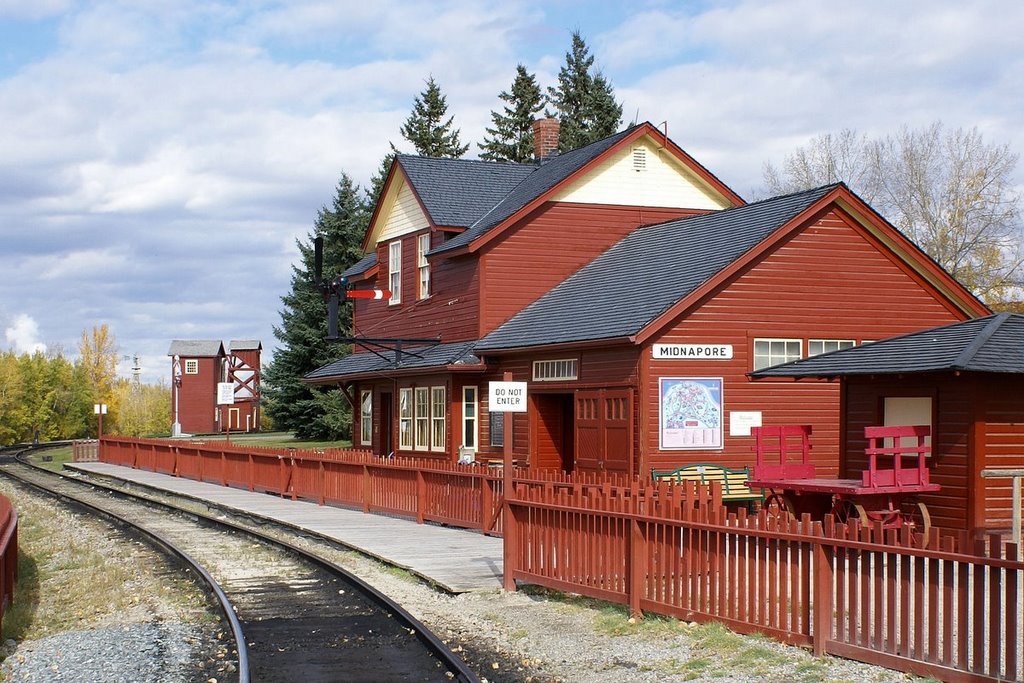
column 769, row 352
column 555, row 370
column 819, row 346
column 366, row 417
column 422, row 266
column 438, row 405
column 469, row 417
column 395, row 272
column 405, row 418
column 191, row 366
column 422, row 418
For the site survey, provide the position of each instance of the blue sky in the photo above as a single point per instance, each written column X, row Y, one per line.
column 158, row 159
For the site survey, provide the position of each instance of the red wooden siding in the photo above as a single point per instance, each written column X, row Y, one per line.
column 1003, row 444
column 547, row 246
column 829, row 281
column 950, row 462
column 197, row 397
column 450, row 312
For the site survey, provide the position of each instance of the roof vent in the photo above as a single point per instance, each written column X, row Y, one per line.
column 639, row 159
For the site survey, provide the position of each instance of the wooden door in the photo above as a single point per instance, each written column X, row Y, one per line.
column 604, row 430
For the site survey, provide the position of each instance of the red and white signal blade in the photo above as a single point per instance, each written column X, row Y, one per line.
column 368, row 294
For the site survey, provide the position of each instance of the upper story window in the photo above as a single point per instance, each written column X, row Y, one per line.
column 769, row 352
column 422, row 266
column 395, row 271
column 819, row 346
column 191, row 366
column 554, row 370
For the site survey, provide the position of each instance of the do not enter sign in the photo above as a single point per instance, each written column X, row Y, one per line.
column 507, row 397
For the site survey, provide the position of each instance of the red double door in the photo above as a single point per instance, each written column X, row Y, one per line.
column 604, row 430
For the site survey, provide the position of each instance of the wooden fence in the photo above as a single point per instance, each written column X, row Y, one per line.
column 8, row 553
column 85, row 450
column 954, row 610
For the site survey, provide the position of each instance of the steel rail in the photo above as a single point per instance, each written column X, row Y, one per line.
column 156, row 539
column 459, row 669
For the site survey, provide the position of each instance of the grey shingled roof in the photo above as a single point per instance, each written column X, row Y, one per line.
column 457, row 192
column 195, row 348
column 543, row 178
column 245, row 344
column 439, row 356
column 361, row 266
column 994, row 343
column 617, row 294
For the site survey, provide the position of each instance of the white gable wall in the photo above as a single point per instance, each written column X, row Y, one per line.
column 403, row 216
column 663, row 182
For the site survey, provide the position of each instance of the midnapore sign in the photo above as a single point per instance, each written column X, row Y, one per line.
column 691, row 351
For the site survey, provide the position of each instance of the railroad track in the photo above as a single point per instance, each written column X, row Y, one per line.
column 299, row 617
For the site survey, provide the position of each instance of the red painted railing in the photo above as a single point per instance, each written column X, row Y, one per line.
column 467, row 496
column 954, row 610
column 8, row 553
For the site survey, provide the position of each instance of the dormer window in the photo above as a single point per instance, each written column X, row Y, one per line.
column 395, row 272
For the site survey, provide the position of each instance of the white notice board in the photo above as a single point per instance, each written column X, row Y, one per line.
column 506, row 397
column 225, row 393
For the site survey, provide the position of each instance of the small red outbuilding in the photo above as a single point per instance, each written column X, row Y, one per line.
column 964, row 380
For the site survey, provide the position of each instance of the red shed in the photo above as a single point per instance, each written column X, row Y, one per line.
column 244, row 372
column 964, row 381
column 196, row 368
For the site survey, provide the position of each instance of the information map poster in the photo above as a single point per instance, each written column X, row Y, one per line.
column 691, row 412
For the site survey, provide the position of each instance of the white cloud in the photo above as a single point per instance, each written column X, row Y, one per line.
column 23, row 335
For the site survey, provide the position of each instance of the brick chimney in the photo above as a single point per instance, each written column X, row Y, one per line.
column 545, row 138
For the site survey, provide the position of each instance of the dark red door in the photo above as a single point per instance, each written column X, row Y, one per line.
column 604, row 430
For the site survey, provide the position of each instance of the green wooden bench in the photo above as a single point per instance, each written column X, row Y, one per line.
column 734, row 482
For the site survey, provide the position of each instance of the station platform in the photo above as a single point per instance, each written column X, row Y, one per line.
column 456, row 560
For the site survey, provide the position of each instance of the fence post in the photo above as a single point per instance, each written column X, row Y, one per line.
column 821, row 630
column 510, row 541
column 366, row 488
column 421, row 495
column 636, row 566
column 486, row 504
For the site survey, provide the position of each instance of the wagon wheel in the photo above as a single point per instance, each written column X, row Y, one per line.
column 844, row 510
column 917, row 517
column 778, row 506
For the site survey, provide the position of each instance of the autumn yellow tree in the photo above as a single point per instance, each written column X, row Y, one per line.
column 143, row 409
column 98, row 356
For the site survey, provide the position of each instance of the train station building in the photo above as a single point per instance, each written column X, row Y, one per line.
column 632, row 291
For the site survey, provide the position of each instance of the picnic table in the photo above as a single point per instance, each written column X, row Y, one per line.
column 885, row 492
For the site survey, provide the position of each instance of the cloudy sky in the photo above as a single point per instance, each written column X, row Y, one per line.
column 159, row 158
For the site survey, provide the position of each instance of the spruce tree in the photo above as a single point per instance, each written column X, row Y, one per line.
column 512, row 135
column 585, row 102
column 315, row 412
column 426, row 128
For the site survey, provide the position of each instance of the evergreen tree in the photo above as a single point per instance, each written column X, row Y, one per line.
column 315, row 412
column 426, row 128
column 512, row 135
column 585, row 102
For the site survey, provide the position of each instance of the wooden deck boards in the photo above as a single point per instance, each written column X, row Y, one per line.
column 457, row 560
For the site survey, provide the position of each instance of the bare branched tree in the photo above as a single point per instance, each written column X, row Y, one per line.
column 950, row 192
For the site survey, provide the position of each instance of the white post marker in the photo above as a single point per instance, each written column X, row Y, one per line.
column 506, row 397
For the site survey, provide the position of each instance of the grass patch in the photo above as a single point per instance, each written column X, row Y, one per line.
column 73, row 576
column 52, row 459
